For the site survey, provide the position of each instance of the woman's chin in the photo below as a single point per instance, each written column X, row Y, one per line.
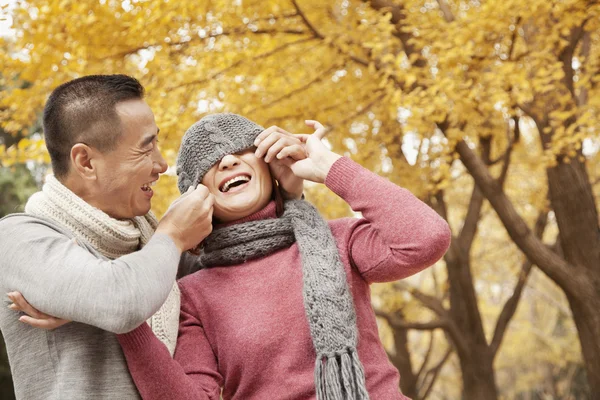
column 241, row 210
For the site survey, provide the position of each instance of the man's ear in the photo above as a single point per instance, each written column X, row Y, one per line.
column 82, row 161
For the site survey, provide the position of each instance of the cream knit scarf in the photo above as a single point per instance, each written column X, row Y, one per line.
column 110, row 237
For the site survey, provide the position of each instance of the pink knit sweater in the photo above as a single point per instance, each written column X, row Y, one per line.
column 243, row 328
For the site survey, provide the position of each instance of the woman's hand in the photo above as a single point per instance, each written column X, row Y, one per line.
column 269, row 144
column 35, row 318
column 319, row 160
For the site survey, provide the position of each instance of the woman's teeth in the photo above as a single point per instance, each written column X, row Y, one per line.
column 227, row 185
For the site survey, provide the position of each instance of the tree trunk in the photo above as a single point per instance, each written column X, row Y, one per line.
column 573, row 203
column 578, row 273
column 401, row 360
column 587, row 319
column 476, row 359
column 478, row 376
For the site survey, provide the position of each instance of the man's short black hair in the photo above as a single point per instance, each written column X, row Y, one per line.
column 84, row 111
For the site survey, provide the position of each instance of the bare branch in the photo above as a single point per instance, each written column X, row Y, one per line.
column 435, row 373
column 509, row 147
column 307, row 21
column 510, row 306
column 397, row 322
column 566, row 57
column 427, row 355
column 469, row 229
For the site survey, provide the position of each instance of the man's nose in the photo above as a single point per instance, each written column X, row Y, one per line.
column 160, row 165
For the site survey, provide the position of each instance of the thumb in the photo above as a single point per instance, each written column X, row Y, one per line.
column 320, row 130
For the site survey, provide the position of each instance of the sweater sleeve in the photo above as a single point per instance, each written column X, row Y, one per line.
column 60, row 278
column 398, row 236
column 192, row 374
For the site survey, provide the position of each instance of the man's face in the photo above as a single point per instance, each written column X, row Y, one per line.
column 125, row 175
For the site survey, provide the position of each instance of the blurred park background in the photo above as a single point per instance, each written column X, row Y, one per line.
column 488, row 110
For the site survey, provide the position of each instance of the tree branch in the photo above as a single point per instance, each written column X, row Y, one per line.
column 318, row 78
column 435, row 373
column 243, row 60
column 469, row 229
column 445, row 8
column 426, row 358
column 554, row 266
column 359, row 112
column 586, row 45
column 398, row 19
column 307, row 21
column 397, row 322
column 507, row 153
column 511, row 304
column 566, row 57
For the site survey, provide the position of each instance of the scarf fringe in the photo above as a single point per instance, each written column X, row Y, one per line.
column 340, row 376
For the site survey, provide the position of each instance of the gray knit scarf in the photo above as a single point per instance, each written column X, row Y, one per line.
column 328, row 304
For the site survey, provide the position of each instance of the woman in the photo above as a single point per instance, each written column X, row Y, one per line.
column 280, row 305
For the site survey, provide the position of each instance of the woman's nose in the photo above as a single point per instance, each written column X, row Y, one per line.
column 229, row 161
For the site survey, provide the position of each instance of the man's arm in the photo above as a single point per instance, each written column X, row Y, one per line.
column 62, row 279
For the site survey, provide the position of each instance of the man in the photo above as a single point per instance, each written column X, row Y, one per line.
column 88, row 249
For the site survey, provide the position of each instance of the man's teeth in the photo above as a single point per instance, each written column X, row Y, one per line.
column 147, row 186
column 227, row 185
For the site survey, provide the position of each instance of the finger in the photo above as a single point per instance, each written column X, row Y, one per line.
column 24, row 306
column 288, row 161
column 201, row 191
column 47, row 324
column 303, row 137
column 261, row 136
column 277, row 147
column 266, row 143
column 313, row 123
column 297, row 152
column 210, row 200
column 320, row 130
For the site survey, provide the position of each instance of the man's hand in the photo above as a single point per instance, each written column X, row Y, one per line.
column 273, row 142
column 189, row 218
column 35, row 318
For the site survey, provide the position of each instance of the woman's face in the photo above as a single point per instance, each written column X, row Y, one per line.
column 241, row 184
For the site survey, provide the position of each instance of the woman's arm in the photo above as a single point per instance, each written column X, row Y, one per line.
column 192, row 374
column 398, row 236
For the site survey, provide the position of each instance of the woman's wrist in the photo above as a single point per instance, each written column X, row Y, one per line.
column 326, row 163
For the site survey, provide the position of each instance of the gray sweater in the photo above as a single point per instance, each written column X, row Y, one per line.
column 82, row 359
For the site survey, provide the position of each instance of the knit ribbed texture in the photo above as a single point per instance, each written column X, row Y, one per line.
column 208, row 141
column 110, row 237
column 327, row 299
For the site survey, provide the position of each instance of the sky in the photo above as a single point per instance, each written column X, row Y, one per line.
column 5, row 19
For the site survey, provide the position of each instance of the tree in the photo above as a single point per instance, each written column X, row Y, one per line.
column 447, row 77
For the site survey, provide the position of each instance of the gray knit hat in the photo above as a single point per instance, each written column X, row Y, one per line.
column 208, row 141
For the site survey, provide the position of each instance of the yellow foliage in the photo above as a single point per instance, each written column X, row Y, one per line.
column 385, row 87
